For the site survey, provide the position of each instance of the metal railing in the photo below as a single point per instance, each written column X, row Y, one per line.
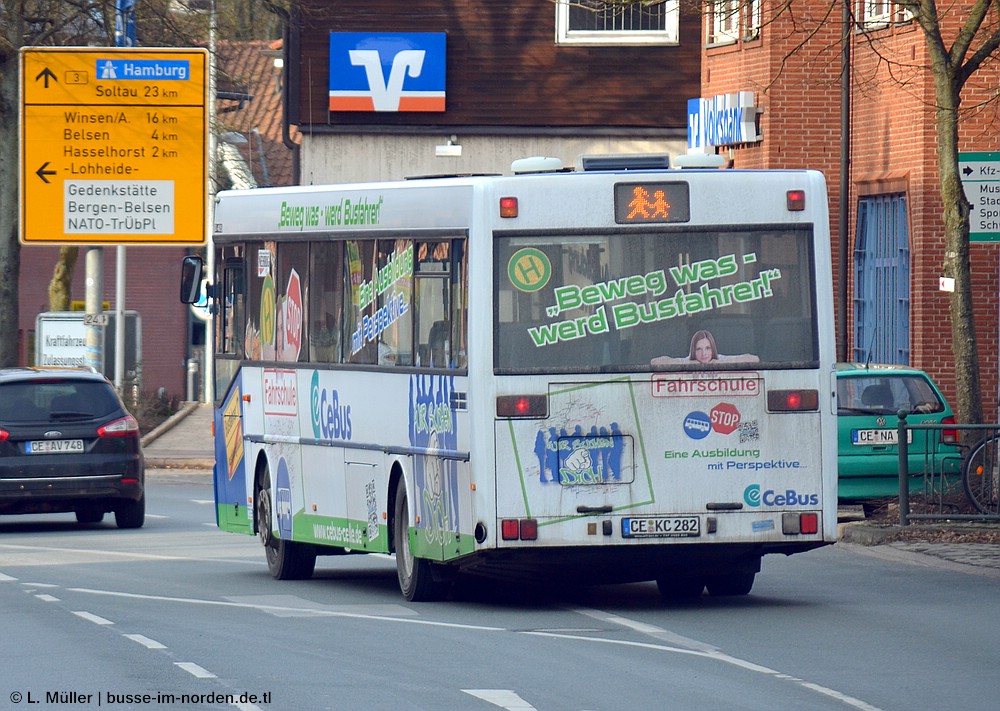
column 949, row 493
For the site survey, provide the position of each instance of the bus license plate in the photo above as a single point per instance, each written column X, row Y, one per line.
column 54, row 446
column 879, row 437
column 661, row 527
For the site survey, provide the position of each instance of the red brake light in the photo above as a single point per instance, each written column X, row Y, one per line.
column 508, row 207
column 509, row 529
column 792, row 400
column 522, row 406
column 947, row 436
column 125, row 427
column 808, row 523
column 4, row 434
column 795, row 200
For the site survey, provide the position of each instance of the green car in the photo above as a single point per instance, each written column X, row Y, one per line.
column 868, row 400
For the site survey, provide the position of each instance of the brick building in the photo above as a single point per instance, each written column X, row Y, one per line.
column 887, row 230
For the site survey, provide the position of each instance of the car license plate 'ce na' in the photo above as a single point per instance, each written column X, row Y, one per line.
column 54, row 446
column 878, row 437
column 661, row 526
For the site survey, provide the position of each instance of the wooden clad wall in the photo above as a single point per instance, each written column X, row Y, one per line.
column 504, row 68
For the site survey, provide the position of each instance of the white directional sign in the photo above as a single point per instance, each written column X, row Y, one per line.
column 980, row 174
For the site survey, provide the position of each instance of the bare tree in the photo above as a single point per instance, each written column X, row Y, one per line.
column 64, row 23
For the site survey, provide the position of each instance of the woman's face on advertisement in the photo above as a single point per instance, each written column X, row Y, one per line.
column 703, row 351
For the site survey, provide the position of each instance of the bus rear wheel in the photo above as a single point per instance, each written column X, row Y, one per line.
column 417, row 580
column 735, row 583
column 679, row 589
column 287, row 560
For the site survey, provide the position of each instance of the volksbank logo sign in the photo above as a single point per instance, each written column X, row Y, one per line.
column 387, row 72
column 722, row 120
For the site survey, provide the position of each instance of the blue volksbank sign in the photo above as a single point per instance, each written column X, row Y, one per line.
column 722, row 120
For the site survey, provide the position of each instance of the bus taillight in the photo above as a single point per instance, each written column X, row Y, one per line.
column 522, row 406
column 792, row 400
column 513, row 529
column 949, row 436
column 796, row 523
column 795, row 200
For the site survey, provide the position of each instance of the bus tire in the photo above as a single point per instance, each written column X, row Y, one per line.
column 677, row 589
column 286, row 560
column 733, row 583
column 417, row 580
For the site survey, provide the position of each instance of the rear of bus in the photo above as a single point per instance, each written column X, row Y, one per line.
column 663, row 363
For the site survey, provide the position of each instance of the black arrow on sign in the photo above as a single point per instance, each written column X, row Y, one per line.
column 41, row 172
column 46, row 74
column 966, row 170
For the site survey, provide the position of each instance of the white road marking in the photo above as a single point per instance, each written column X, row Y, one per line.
column 47, row 598
column 504, row 698
column 195, row 670
column 203, row 501
column 6, row 578
column 319, row 611
column 40, row 585
column 90, row 551
column 146, row 641
column 96, row 619
column 699, row 649
column 685, row 645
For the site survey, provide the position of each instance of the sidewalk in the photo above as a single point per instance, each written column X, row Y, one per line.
column 182, row 442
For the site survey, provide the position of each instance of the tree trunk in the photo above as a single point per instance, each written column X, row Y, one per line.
column 969, row 404
column 10, row 246
column 62, row 279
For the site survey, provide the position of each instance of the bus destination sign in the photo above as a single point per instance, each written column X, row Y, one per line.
column 114, row 145
column 652, row 202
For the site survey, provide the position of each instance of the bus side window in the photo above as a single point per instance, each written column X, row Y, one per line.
column 233, row 306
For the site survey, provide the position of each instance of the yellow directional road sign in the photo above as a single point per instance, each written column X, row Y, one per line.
column 114, row 145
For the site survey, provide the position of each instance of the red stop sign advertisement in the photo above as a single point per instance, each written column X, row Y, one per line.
column 725, row 418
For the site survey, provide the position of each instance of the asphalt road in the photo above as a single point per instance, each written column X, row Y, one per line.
column 179, row 608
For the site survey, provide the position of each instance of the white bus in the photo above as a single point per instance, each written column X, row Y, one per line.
column 602, row 375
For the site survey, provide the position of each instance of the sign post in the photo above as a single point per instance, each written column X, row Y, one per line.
column 114, row 146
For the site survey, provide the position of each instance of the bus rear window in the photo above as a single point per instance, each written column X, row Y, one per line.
column 654, row 300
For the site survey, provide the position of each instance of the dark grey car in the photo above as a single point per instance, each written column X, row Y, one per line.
column 67, row 443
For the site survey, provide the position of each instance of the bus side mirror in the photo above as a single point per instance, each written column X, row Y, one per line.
column 191, row 269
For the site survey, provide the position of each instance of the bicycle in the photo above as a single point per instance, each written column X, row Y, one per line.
column 981, row 475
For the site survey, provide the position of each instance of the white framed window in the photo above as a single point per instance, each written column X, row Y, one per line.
column 751, row 13
column 733, row 20
column 597, row 22
column 873, row 14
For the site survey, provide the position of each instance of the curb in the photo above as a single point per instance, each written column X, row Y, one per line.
column 153, row 463
column 865, row 534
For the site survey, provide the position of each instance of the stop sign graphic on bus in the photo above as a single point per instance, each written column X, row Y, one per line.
column 725, row 418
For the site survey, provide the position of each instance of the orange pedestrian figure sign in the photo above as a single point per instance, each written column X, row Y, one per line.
column 652, row 202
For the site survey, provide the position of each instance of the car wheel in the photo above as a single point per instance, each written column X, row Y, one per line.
column 131, row 514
